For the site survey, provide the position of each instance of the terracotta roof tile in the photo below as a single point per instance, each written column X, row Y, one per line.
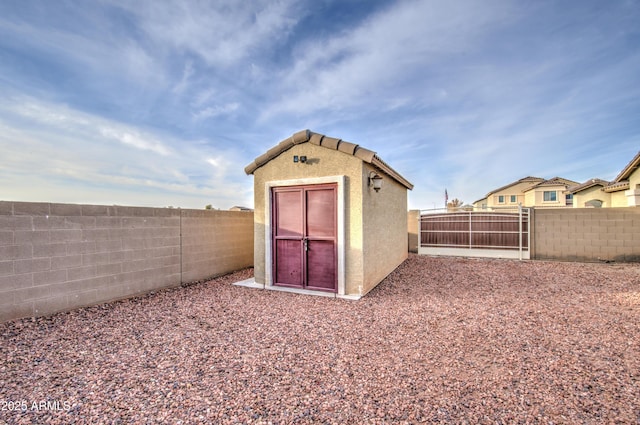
column 364, row 154
column 316, row 139
column 301, row 136
column 330, row 142
column 347, row 147
column 555, row 181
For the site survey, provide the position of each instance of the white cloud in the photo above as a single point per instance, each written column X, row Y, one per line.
column 373, row 60
column 221, row 33
column 135, row 139
column 187, row 73
column 203, row 97
column 116, row 55
column 64, row 155
column 216, row 111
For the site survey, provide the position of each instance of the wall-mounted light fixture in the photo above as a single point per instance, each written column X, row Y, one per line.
column 302, row 158
column 375, row 180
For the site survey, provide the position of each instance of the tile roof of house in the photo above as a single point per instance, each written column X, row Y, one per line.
column 555, row 181
column 306, row 136
column 527, row 179
column 616, row 186
column 587, row 185
column 621, row 182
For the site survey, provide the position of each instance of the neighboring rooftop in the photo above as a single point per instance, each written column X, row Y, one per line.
column 621, row 182
column 555, row 181
column 588, row 185
column 528, row 179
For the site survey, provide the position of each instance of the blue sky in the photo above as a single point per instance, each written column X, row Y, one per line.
column 164, row 103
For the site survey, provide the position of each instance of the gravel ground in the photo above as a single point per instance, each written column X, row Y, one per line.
column 440, row 340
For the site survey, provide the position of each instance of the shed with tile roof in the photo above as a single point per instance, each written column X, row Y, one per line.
column 320, row 225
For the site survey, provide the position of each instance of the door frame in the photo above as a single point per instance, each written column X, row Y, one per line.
column 340, row 210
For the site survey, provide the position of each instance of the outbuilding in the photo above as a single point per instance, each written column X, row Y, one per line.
column 330, row 217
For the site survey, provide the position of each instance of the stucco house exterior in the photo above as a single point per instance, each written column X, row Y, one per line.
column 590, row 194
column 551, row 193
column 322, row 224
column 625, row 189
column 530, row 192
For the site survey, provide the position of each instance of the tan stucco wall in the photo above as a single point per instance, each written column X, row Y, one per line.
column 517, row 189
column 618, row 199
column 479, row 203
column 633, row 194
column 535, row 197
column 596, row 192
column 634, row 180
column 321, row 162
column 385, row 226
column 529, row 198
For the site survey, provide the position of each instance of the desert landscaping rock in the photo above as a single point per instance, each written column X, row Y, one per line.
column 441, row 340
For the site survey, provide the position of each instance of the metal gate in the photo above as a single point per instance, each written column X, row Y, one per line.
column 498, row 233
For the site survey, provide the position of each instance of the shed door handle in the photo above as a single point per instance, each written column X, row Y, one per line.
column 306, row 244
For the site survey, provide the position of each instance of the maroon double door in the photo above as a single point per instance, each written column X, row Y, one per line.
column 305, row 237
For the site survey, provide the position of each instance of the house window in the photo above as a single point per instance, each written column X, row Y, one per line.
column 550, row 196
column 513, row 199
column 569, row 199
column 501, row 199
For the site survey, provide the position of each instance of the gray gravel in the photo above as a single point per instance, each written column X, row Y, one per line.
column 440, row 340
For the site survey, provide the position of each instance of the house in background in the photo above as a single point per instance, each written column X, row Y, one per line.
column 530, row 192
column 590, row 194
column 557, row 192
column 625, row 189
column 509, row 195
column 330, row 217
column 550, row 194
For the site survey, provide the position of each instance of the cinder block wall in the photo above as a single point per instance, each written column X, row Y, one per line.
column 587, row 234
column 215, row 242
column 56, row 257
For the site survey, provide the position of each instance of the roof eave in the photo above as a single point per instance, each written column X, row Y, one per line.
column 616, row 186
column 629, row 169
column 386, row 168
